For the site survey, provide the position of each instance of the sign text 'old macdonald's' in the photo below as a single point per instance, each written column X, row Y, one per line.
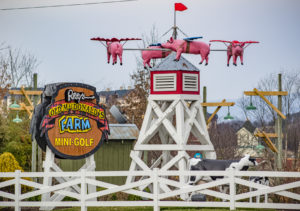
column 75, row 125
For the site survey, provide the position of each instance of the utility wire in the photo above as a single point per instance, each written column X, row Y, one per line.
column 64, row 5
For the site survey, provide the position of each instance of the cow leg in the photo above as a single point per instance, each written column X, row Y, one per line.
column 194, row 179
column 223, row 189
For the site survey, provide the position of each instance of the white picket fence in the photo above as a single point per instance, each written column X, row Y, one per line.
column 162, row 189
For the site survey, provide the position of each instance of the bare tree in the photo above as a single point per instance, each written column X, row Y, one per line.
column 19, row 66
column 223, row 136
column 136, row 101
column 294, row 139
column 4, row 75
column 4, row 80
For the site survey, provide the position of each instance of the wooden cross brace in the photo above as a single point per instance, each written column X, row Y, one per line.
column 266, row 137
column 262, row 94
column 26, row 93
column 28, row 109
column 219, row 106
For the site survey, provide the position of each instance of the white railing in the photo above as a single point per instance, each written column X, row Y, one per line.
column 162, row 189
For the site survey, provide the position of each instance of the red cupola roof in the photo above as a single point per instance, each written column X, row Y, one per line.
column 169, row 64
column 175, row 77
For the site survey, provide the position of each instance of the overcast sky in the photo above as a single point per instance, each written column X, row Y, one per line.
column 60, row 38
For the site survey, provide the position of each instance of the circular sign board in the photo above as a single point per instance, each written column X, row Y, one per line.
column 75, row 125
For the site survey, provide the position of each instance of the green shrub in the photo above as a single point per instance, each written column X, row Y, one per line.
column 8, row 163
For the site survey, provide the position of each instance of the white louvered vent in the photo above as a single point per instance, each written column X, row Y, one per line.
column 164, row 82
column 190, row 82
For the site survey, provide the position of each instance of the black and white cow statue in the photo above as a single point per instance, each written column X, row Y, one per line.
column 262, row 181
column 218, row 165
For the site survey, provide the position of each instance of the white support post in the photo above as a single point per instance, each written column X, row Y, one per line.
column 250, row 189
column 133, row 166
column 90, row 161
column 164, row 137
column 83, row 190
column 180, row 133
column 18, row 191
column 232, row 190
column 50, row 166
column 155, row 190
column 47, row 181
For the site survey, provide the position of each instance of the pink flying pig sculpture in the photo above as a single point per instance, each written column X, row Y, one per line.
column 147, row 55
column 235, row 49
column 114, row 47
column 187, row 45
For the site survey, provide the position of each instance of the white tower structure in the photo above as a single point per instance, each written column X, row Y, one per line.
column 174, row 115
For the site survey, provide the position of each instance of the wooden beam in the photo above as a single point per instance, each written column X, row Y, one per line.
column 269, row 142
column 28, row 92
column 269, row 103
column 265, row 93
column 26, row 96
column 27, row 108
column 215, row 112
column 218, row 104
column 270, row 135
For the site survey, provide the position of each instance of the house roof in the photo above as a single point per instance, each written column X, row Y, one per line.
column 248, row 126
column 120, row 93
column 123, row 132
column 169, row 64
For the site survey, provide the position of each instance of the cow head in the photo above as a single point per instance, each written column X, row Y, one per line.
column 246, row 162
column 243, row 164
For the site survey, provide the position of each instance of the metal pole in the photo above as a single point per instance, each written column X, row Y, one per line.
column 175, row 27
column 33, row 141
column 279, row 128
column 204, row 101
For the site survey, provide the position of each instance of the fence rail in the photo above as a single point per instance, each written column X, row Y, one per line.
column 163, row 189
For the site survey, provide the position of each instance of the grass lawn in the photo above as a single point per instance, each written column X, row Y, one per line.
column 162, row 209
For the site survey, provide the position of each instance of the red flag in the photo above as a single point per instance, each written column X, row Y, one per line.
column 180, row 7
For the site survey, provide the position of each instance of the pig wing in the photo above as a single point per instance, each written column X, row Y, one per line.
column 128, row 39
column 101, row 39
column 192, row 38
column 251, row 42
column 224, row 41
